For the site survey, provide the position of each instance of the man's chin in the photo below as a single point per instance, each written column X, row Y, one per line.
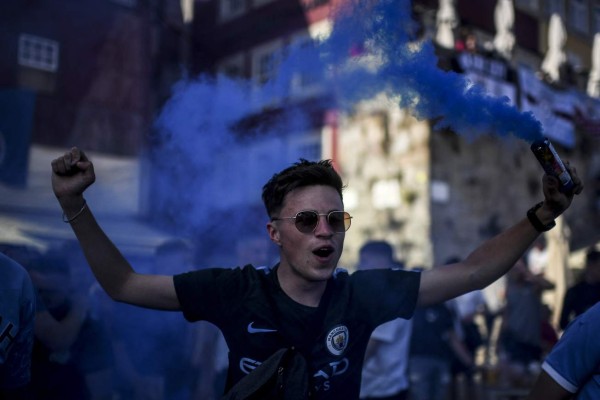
column 323, row 273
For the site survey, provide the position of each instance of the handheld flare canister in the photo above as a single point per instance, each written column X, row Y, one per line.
column 552, row 164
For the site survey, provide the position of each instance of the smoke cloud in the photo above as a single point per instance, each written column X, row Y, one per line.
column 373, row 48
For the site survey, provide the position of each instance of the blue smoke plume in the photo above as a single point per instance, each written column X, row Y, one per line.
column 390, row 59
column 407, row 68
column 373, row 48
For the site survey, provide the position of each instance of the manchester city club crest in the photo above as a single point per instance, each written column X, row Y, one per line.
column 337, row 340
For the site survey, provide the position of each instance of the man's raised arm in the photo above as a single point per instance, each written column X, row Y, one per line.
column 72, row 173
column 495, row 257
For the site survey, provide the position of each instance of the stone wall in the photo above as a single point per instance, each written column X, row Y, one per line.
column 435, row 195
column 384, row 159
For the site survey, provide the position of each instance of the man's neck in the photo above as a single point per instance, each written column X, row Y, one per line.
column 298, row 289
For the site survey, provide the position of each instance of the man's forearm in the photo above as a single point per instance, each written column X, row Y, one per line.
column 484, row 265
column 108, row 264
column 495, row 257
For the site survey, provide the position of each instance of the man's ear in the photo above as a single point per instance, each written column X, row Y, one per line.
column 273, row 233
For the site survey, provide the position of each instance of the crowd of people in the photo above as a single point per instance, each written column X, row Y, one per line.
column 88, row 347
column 453, row 350
column 381, row 332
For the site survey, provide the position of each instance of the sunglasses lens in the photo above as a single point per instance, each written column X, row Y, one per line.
column 339, row 221
column 306, row 221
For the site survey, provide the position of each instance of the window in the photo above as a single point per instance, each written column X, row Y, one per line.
column 265, row 60
column 229, row 9
column 232, row 66
column 555, row 7
column 265, row 67
column 530, row 5
column 596, row 18
column 308, row 72
column 37, row 52
column 578, row 15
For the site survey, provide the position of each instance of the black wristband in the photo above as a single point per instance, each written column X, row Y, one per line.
column 535, row 221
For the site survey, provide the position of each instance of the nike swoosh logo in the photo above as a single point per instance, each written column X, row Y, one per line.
column 252, row 329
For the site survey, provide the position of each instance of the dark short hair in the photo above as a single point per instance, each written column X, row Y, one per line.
column 301, row 174
column 378, row 247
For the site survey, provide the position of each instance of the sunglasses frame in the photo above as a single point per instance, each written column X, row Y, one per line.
column 327, row 215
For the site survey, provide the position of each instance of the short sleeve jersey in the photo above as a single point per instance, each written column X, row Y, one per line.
column 574, row 362
column 257, row 318
column 17, row 310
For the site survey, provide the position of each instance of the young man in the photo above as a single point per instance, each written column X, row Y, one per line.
column 17, row 310
column 385, row 370
column 584, row 293
column 73, row 360
column 572, row 369
column 304, row 302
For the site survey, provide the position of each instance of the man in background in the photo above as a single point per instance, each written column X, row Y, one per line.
column 384, row 374
column 585, row 293
column 72, row 357
column 572, row 369
column 17, row 310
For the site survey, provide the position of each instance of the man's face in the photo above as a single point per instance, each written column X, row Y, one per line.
column 313, row 256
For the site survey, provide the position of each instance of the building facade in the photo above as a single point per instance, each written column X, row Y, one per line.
column 434, row 193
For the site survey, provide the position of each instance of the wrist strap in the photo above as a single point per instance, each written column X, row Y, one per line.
column 535, row 221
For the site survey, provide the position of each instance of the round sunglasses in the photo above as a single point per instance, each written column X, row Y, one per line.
column 307, row 221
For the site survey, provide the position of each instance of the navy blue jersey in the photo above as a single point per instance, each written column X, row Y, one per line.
column 257, row 318
column 574, row 362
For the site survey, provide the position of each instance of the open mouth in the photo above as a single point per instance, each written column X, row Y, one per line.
column 324, row 251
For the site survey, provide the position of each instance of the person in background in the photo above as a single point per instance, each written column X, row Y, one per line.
column 152, row 362
column 521, row 332
column 585, row 293
column 305, row 305
column 468, row 307
column 549, row 335
column 538, row 256
column 175, row 256
column 17, row 311
column 72, row 356
column 495, row 301
column 435, row 344
column 385, row 369
column 572, row 369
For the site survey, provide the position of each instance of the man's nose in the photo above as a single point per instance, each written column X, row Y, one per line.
column 323, row 227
